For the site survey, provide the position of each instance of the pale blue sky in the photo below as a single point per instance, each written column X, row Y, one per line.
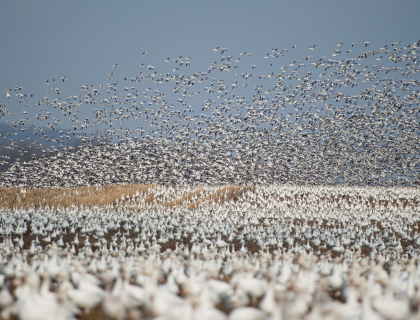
column 81, row 40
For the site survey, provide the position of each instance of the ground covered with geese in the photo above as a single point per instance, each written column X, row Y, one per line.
column 222, row 252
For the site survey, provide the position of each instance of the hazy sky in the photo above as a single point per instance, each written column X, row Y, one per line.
column 50, row 39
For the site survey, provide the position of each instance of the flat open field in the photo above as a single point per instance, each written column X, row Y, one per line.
column 147, row 251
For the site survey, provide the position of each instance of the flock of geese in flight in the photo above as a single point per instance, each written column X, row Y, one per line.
column 325, row 224
column 352, row 123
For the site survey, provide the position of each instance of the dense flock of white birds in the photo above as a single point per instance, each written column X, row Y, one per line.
column 352, row 118
column 277, row 252
column 300, row 241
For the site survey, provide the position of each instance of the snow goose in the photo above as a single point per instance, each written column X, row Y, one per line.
column 235, row 298
column 389, row 307
column 87, row 295
column 159, row 300
column 112, row 307
column 220, row 243
column 6, row 298
column 335, row 281
column 170, row 284
column 31, row 305
column 254, row 287
column 268, row 303
column 351, row 309
column 135, row 295
column 367, row 311
column 60, row 242
column 76, row 240
column 248, row 313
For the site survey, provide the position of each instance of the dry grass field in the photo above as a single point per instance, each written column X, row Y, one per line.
column 121, row 195
column 106, row 195
column 67, row 197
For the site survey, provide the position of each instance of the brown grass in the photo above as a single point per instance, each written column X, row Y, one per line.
column 185, row 198
column 104, row 195
column 66, row 197
column 221, row 196
column 99, row 196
